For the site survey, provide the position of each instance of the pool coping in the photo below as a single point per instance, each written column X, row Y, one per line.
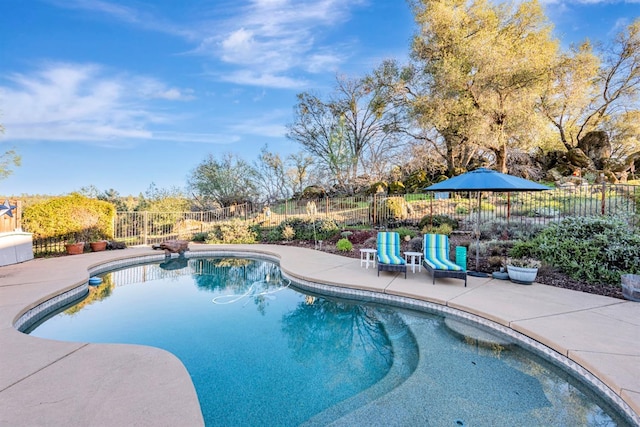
column 152, row 387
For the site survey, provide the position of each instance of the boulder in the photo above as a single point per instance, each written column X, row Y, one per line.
column 577, row 157
column 596, row 146
column 173, row 246
column 112, row 244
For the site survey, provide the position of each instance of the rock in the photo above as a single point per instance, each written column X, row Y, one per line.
column 173, row 246
column 554, row 174
column 112, row 244
column 578, row 158
column 596, row 146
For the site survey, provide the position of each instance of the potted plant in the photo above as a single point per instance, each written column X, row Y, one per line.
column 96, row 242
column 522, row 270
column 74, row 247
column 631, row 287
column 98, row 245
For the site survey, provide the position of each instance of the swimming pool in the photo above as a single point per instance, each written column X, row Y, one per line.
column 267, row 354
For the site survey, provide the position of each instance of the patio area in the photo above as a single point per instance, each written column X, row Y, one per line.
column 44, row 382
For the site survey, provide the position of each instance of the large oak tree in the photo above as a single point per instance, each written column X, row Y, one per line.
column 483, row 65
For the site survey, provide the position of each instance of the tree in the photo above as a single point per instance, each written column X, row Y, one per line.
column 483, row 65
column 224, row 182
column 299, row 171
column 8, row 159
column 590, row 92
column 272, row 181
column 112, row 196
column 157, row 199
column 339, row 132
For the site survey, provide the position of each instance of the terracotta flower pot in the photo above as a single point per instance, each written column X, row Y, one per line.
column 74, row 248
column 98, row 246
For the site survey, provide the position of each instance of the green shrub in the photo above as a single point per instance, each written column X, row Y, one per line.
column 500, row 229
column 389, row 209
column 485, row 206
column 416, row 181
column 273, row 235
column 200, row 237
column 441, row 229
column 403, row 232
column 592, row 249
column 306, row 227
column 438, row 220
column 462, row 209
column 377, row 187
column 396, row 187
column 344, row 245
column 288, row 233
column 234, row 231
column 72, row 216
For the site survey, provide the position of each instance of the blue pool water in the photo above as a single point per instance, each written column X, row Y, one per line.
column 261, row 352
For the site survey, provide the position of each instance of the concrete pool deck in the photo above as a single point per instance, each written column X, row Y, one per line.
column 45, row 382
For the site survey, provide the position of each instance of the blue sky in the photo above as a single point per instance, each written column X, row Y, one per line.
column 122, row 94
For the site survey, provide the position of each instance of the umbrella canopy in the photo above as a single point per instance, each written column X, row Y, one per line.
column 485, row 180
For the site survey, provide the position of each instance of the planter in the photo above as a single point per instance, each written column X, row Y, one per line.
column 74, row 248
column 501, row 275
column 98, row 246
column 522, row 275
column 631, row 287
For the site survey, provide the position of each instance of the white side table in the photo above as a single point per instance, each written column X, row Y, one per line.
column 413, row 259
column 368, row 256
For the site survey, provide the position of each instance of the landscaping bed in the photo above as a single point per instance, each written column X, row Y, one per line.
column 546, row 275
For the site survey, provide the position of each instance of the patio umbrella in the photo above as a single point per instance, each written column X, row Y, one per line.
column 481, row 180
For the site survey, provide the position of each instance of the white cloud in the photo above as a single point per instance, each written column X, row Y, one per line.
column 80, row 102
column 250, row 78
column 151, row 88
column 268, row 41
column 238, row 42
column 130, row 15
column 268, row 125
column 206, row 138
column 323, row 62
column 264, row 42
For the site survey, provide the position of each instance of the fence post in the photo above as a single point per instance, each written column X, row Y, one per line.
column 374, row 220
column 145, row 228
column 604, row 189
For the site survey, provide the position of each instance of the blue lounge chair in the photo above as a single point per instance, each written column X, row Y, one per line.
column 389, row 258
column 436, row 258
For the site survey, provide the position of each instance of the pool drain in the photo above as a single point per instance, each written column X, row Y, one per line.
column 459, row 423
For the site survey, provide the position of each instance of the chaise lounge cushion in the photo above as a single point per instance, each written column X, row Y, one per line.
column 436, row 258
column 389, row 258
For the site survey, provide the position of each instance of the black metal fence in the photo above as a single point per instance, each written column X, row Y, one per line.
column 541, row 208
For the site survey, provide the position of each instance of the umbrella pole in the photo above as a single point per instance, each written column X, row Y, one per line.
column 478, row 233
column 477, row 273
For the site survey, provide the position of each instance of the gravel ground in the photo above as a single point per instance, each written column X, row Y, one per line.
column 546, row 275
